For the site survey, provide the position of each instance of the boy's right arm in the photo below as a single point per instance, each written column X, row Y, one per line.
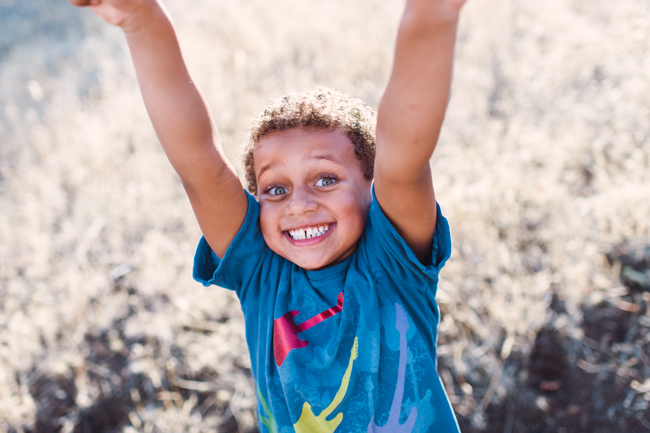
column 180, row 116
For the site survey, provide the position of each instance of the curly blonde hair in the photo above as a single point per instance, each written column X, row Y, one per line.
column 319, row 107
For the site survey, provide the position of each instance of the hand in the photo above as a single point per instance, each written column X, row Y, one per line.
column 123, row 13
column 444, row 5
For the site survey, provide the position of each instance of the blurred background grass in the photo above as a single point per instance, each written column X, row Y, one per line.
column 542, row 170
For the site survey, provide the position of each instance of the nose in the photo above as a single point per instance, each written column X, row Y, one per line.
column 301, row 202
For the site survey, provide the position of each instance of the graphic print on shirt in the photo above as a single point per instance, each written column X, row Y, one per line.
column 393, row 425
column 310, row 423
column 268, row 421
column 285, row 330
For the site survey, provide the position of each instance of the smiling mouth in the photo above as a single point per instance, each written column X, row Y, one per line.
column 309, row 232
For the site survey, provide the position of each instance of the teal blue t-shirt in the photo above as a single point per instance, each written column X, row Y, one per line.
column 350, row 348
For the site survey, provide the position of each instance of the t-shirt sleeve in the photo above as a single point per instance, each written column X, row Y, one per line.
column 393, row 254
column 240, row 265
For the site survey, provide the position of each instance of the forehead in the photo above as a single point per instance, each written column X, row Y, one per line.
column 297, row 146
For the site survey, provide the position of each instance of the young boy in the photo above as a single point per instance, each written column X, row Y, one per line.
column 337, row 265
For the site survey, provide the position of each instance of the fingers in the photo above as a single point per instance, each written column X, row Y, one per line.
column 85, row 2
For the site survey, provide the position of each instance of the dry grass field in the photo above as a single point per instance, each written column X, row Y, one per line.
column 543, row 170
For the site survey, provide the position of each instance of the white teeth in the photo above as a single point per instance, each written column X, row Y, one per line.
column 309, row 232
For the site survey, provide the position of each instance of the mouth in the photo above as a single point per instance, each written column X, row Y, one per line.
column 314, row 232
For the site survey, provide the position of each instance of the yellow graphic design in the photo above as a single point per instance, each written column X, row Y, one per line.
column 267, row 421
column 310, row 423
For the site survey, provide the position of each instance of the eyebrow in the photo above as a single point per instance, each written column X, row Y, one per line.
column 265, row 167
column 324, row 156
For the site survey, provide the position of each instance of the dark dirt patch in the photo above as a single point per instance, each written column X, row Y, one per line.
column 117, row 391
column 594, row 380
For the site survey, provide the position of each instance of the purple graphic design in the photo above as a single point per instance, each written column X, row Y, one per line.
column 393, row 425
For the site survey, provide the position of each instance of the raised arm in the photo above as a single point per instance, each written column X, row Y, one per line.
column 180, row 116
column 410, row 116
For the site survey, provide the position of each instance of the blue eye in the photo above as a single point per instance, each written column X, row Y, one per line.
column 277, row 190
column 325, row 181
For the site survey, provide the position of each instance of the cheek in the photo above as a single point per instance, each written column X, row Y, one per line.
column 355, row 213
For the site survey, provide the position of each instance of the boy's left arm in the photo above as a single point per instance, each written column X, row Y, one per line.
column 410, row 116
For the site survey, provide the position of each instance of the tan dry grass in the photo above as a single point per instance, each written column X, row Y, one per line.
column 542, row 167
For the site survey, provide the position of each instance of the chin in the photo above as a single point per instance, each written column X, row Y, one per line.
column 311, row 264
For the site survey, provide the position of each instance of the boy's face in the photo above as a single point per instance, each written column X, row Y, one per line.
column 313, row 196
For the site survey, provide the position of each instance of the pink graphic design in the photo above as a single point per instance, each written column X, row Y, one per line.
column 285, row 330
column 393, row 425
